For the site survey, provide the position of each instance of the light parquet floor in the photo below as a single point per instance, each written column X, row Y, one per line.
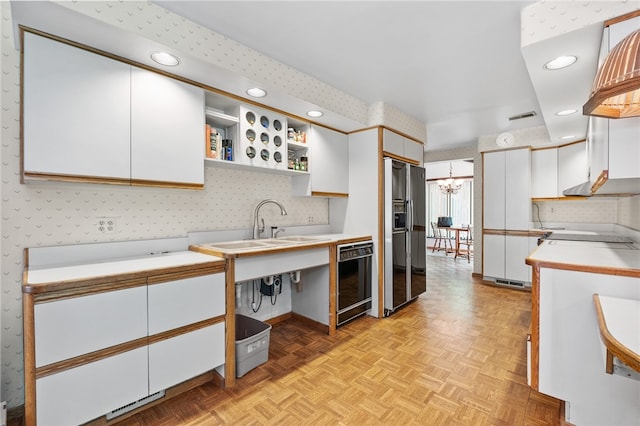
column 456, row 356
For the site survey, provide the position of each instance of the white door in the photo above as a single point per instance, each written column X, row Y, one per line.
column 76, row 111
column 167, row 129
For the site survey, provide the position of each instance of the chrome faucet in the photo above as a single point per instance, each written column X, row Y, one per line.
column 257, row 229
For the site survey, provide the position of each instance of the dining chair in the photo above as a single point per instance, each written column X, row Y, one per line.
column 441, row 240
column 465, row 248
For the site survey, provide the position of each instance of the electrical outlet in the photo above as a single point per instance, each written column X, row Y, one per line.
column 310, row 219
column 106, row 225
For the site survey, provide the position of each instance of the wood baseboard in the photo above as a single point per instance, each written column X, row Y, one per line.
column 279, row 318
column 311, row 323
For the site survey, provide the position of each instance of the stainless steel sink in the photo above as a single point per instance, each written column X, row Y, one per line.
column 263, row 243
column 302, row 239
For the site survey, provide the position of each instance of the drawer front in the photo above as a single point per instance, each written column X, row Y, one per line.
column 175, row 360
column 81, row 394
column 72, row 327
column 182, row 302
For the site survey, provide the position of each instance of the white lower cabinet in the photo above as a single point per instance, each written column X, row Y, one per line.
column 79, row 325
column 176, row 330
column 81, row 394
column 504, row 257
column 180, row 358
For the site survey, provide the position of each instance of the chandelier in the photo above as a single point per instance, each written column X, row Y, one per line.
column 450, row 185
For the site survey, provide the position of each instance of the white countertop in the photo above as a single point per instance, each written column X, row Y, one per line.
column 116, row 267
column 621, row 256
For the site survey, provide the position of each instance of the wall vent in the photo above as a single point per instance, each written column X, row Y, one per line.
column 510, row 283
column 523, row 115
column 133, row 405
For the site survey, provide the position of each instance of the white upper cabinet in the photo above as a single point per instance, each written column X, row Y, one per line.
column 328, row 164
column 167, row 129
column 402, row 147
column 91, row 118
column 572, row 165
column 544, row 173
column 507, row 189
column 76, row 111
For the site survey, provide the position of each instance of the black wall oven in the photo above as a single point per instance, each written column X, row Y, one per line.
column 354, row 280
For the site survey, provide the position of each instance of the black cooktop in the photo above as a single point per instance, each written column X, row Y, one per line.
column 590, row 237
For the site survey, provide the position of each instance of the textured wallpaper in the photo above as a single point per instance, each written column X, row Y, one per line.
column 550, row 18
column 45, row 214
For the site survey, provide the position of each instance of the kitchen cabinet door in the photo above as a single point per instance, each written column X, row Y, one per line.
column 572, row 165
column 493, row 252
column 517, row 189
column 393, row 143
column 183, row 357
column 167, row 129
column 80, row 325
column 494, row 190
column 76, row 112
column 516, row 251
column 544, row 173
column 328, row 164
column 181, row 302
column 81, row 394
column 414, row 150
column 624, row 148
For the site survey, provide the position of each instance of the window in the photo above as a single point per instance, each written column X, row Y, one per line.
column 459, row 205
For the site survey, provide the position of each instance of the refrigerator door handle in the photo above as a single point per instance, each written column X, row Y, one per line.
column 409, row 225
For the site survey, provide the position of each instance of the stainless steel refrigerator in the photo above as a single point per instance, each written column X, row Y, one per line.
column 405, row 244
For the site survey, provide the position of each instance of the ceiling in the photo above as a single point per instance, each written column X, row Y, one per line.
column 454, row 65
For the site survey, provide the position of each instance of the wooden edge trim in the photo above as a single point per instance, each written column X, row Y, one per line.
column 542, row 148
column 211, row 251
column 68, row 290
column 333, row 289
column 402, row 134
column 311, row 323
column 534, row 330
column 621, row 18
column 400, row 158
column 164, row 184
column 77, row 361
column 600, row 180
column 100, row 354
column 613, row 345
column 210, row 376
column 265, row 251
column 514, row 233
column 174, row 76
column 279, row 319
column 166, row 335
column 380, row 223
column 209, row 270
column 606, row 270
column 329, row 194
column 230, row 324
column 29, row 342
column 27, row 175
column 559, row 198
column 354, row 240
column 119, row 280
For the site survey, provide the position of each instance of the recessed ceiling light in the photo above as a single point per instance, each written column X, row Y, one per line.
column 560, row 62
column 164, row 58
column 568, row 137
column 566, row 112
column 315, row 113
column 256, row 92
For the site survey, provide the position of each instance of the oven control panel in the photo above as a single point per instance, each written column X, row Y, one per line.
column 355, row 251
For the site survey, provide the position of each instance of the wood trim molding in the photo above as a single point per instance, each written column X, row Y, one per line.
column 329, row 194
column 166, row 335
column 163, row 184
column 400, row 158
column 72, row 289
column 230, row 324
column 621, row 18
column 71, row 178
column 613, row 345
column 311, row 323
column 29, row 342
column 380, row 223
column 600, row 180
column 173, row 276
column 333, row 289
column 535, row 326
column 606, row 270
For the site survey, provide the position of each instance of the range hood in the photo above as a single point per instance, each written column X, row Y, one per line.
column 605, row 187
